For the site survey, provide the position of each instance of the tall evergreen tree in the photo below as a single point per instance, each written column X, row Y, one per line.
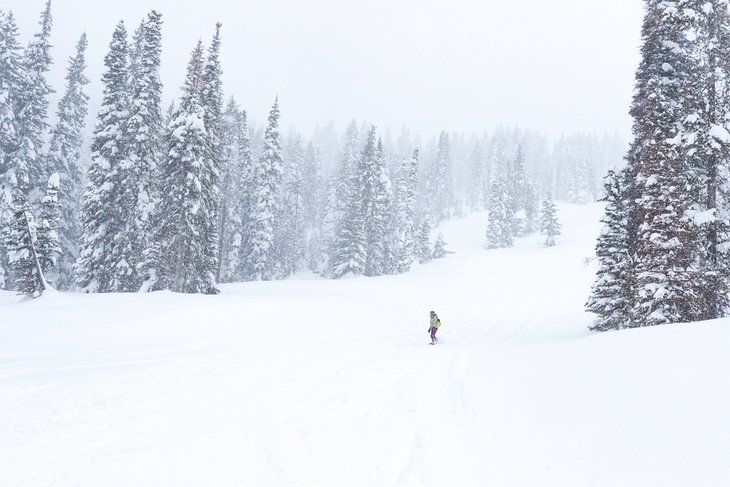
column 243, row 190
column 499, row 225
column 95, row 267
column 358, row 247
column 376, row 200
column 612, row 295
column 9, row 83
column 439, row 186
column 477, row 180
column 343, row 199
column 289, row 242
column 31, row 103
column 403, row 215
column 674, row 227
column 48, row 243
column 666, row 247
column 64, row 156
column 234, row 185
column 423, row 242
column 549, row 225
column 321, row 258
column 346, row 172
column 266, row 179
column 444, row 174
column 531, row 202
column 10, row 77
column 183, row 264
column 138, row 172
column 312, row 187
column 517, row 192
column 706, row 106
column 614, row 298
column 19, row 242
column 212, row 99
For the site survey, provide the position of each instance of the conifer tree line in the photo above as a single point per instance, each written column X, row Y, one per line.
column 190, row 195
column 662, row 254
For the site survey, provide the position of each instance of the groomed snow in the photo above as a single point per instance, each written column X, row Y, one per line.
column 311, row 382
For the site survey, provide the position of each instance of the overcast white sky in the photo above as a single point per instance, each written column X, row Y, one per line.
column 464, row 65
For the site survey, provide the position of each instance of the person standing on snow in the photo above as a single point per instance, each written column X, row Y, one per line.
column 434, row 326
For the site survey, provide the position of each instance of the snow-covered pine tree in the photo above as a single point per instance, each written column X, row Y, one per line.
column 706, row 103
column 398, row 254
column 64, row 155
column 498, row 159
column 439, row 248
column 48, row 244
column 439, row 186
column 10, row 75
column 477, row 180
column 266, row 179
column 499, row 225
column 346, row 172
column 354, row 243
column 404, row 227
column 349, row 246
column 313, row 206
column 19, row 242
column 424, row 251
column 312, row 188
column 95, row 271
column 531, row 202
column 227, row 224
column 290, row 226
column 212, row 98
column 320, row 260
column 612, row 294
column 343, row 198
column 234, row 185
column 666, row 246
column 444, row 175
column 586, row 181
column 376, row 199
column 183, row 264
column 138, row 172
column 411, row 206
column 549, row 225
column 31, row 105
column 516, row 191
column 642, row 130
column 242, row 193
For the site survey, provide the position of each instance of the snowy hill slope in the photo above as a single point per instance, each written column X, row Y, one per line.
column 316, row 382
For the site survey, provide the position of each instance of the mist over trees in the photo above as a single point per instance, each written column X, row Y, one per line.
column 198, row 195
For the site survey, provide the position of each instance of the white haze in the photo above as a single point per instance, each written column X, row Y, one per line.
column 458, row 65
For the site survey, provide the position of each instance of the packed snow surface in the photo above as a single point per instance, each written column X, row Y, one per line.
column 312, row 382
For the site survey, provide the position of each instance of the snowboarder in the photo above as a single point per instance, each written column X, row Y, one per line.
column 434, row 326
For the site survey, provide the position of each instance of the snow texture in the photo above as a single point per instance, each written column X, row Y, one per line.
column 314, row 382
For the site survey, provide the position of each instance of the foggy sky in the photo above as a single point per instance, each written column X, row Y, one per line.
column 457, row 65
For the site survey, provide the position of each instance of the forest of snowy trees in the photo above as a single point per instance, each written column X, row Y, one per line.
column 186, row 195
column 663, row 252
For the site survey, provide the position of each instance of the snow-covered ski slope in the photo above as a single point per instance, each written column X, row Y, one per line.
column 312, row 382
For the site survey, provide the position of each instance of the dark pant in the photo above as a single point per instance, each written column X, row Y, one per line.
column 433, row 331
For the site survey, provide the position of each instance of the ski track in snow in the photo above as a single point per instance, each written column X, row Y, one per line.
column 311, row 382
